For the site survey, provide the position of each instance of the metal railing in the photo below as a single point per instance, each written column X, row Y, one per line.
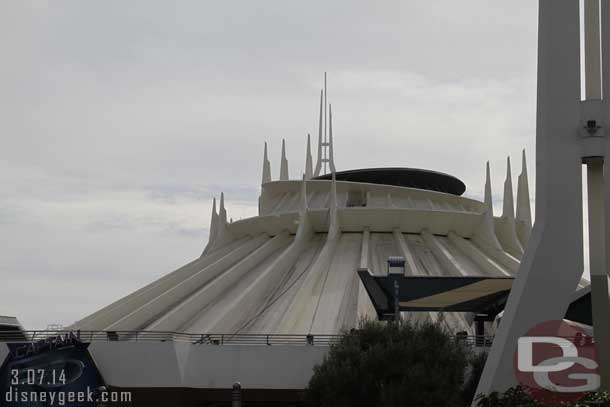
column 478, row 341
column 180, row 337
column 201, row 339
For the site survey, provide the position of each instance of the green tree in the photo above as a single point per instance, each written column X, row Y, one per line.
column 518, row 397
column 476, row 364
column 389, row 364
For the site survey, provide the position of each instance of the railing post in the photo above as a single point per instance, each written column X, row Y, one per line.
column 480, row 329
column 236, row 395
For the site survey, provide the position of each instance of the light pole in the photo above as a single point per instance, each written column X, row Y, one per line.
column 396, row 269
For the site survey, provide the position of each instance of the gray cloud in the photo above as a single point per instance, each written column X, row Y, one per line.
column 121, row 120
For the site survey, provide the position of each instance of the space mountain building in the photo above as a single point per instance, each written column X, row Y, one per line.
column 298, row 267
column 269, row 294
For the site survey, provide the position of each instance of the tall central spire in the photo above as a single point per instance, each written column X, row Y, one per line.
column 331, row 160
column 325, row 160
column 319, row 161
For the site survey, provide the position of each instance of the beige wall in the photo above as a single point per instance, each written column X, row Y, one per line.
column 167, row 364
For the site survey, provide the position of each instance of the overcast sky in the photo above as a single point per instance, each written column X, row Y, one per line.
column 121, row 120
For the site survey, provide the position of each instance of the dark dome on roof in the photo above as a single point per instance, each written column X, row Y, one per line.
column 403, row 177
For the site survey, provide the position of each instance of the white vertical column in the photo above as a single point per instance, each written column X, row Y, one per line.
column 364, row 250
column 593, row 87
column 598, row 173
column 552, row 263
column 600, row 302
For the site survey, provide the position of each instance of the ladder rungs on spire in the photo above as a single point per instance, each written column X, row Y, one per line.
column 325, row 129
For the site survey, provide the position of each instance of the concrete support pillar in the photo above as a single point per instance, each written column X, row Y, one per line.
column 597, row 176
column 593, row 88
column 553, row 257
column 597, row 259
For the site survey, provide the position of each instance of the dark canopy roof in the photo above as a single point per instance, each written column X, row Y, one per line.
column 477, row 294
column 403, row 177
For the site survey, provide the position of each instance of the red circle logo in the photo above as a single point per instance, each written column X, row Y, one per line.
column 556, row 363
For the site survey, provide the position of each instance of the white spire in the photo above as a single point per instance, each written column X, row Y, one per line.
column 325, row 136
column 222, row 212
column 508, row 207
column 505, row 228
column 266, row 167
column 284, row 164
column 331, row 158
column 308, row 160
column 213, row 235
column 488, row 203
column 524, row 213
column 320, row 147
column 213, row 222
column 485, row 233
column 325, row 144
